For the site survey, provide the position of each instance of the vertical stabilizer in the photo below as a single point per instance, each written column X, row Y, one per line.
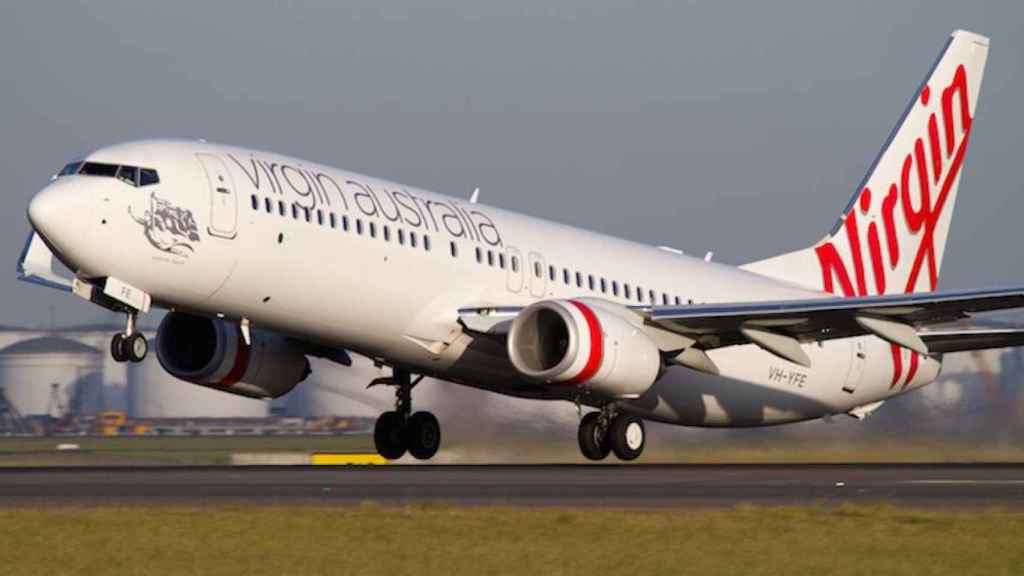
column 892, row 234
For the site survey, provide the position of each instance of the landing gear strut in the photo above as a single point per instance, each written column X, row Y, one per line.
column 609, row 431
column 130, row 345
column 402, row 430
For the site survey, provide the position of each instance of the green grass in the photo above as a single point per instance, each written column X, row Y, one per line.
column 371, row 539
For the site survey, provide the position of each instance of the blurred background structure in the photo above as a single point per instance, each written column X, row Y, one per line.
column 63, row 382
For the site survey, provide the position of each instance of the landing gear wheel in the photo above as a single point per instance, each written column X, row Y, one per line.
column 626, row 436
column 593, row 440
column 388, row 436
column 117, row 348
column 423, row 435
column 134, row 347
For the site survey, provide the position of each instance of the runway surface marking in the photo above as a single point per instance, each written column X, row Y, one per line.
column 566, row 485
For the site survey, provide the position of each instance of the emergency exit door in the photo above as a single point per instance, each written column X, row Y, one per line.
column 223, row 219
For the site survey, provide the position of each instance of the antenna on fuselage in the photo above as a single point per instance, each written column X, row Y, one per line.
column 475, row 196
column 707, row 257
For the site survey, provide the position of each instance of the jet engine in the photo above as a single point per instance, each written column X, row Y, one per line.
column 212, row 353
column 593, row 344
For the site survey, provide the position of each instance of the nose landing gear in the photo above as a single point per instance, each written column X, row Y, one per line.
column 130, row 345
column 402, row 430
column 608, row 431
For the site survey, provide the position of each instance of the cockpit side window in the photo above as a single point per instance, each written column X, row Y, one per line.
column 128, row 174
column 71, row 168
column 148, row 176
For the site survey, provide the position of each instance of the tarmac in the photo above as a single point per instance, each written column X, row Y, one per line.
column 698, row 485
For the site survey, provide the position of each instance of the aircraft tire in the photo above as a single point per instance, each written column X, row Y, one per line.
column 592, row 444
column 627, row 436
column 117, row 348
column 134, row 348
column 388, row 436
column 423, row 435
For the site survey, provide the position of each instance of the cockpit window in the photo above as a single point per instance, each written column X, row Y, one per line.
column 70, row 169
column 97, row 169
column 128, row 174
column 148, row 176
column 131, row 175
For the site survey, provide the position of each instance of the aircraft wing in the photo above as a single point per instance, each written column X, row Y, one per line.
column 780, row 326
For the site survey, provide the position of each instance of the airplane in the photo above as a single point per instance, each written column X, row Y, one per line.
column 263, row 261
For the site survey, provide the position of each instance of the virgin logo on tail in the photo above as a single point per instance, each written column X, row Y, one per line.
column 932, row 165
column 908, row 210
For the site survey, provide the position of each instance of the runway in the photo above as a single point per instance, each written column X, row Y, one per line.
column 971, row 485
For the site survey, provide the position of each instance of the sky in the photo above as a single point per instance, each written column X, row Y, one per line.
column 736, row 127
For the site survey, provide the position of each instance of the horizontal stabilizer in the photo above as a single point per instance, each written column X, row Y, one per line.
column 966, row 340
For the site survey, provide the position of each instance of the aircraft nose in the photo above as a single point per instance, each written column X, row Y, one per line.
column 44, row 211
column 60, row 214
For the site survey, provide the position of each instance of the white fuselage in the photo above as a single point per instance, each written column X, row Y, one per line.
column 367, row 288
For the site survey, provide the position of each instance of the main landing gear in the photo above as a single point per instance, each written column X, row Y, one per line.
column 402, row 430
column 610, row 431
column 130, row 345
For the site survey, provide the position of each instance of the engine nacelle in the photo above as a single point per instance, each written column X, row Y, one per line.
column 212, row 353
column 589, row 343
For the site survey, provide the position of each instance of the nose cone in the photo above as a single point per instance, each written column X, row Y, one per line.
column 60, row 213
column 45, row 211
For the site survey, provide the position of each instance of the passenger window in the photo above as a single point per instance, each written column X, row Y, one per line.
column 334, row 220
column 359, row 226
column 590, row 281
column 373, row 229
column 579, row 280
column 129, row 175
column 678, row 303
column 615, row 288
column 604, row 286
column 308, row 214
column 344, row 222
column 551, row 273
column 536, row 269
column 640, row 294
column 490, row 258
column 412, row 239
column 387, row 233
column 148, row 176
column 454, row 249
column 280, row 207
column 501, row 260
column 626, row 292
column 268, row 205
column 664, row 299
column 255, row 201
column 654, row 297
column 565, row 276
column 320, row 217
column 401, row 237
column 426, row 243
column 295, row 211
column 515, row 263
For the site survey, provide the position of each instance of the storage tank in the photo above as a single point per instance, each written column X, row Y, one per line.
column 41, row 374
column 153, row 393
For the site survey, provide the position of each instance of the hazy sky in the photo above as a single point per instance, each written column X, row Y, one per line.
column 738, row 127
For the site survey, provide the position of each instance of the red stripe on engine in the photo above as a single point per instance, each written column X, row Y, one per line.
column 240, row 365
column 596, row 352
